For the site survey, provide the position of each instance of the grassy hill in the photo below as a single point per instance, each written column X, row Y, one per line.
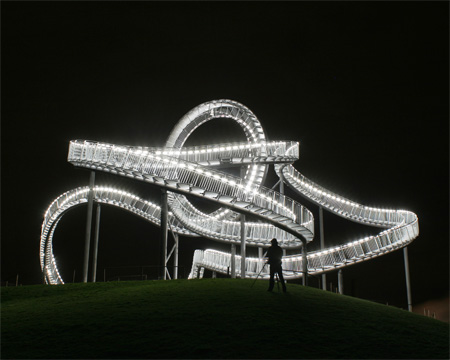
column 208, row 318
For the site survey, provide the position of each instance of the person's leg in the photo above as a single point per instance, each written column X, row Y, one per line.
column 272, row 274
column 280, row 276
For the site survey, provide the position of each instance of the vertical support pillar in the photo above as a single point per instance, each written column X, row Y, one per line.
column 87, row 241
column 408, row 284
column 341, row 282
column 164, row 233
column 175, row 257
column 95, row 249
column 243, row 249
column 322, row 244
column 304, row 264
column 280, row 174
column 260, row 257
column 243, row 232
column 281, row 183
column 233, row 261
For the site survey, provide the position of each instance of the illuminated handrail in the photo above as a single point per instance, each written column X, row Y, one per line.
column 338, row 204
column 102, row 194
column 403, row 227
column 190, row 170
column 185, row 177
column 319, row 261
column 256, row 234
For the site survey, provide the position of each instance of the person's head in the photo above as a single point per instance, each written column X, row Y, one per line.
column 274, row 242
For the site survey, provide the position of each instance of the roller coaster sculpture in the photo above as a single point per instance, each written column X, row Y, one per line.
column 193, row 171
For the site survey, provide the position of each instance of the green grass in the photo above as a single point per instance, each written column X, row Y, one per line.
column 208, row 318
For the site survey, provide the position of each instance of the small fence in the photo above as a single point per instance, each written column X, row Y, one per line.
column 144, row 272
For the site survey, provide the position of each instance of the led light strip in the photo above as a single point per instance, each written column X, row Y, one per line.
column 190, row 171
column 102, row 194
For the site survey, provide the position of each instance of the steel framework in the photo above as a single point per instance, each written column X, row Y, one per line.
column 193, row 171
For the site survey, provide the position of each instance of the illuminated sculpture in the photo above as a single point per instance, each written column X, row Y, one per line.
column 191, row 171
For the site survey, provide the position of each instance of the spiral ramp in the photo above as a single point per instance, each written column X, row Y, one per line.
column 187, row 172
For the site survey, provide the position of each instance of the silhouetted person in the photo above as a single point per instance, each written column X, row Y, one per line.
column 275, row 253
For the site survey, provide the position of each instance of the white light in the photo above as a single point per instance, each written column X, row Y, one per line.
column 255, row 136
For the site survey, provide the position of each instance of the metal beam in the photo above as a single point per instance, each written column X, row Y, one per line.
column 322, row 244
column 304, row 265
column 175, row 257
column 341, row 282
column 95, row 248
column 408, row 284
column 233, row 261
column 243, row 249
column 281, row 182
column 87, row 241
column 243, row 233
column 164, row 233
column 275, row 185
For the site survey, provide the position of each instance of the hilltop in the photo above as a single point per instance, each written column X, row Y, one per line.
column 209, row 318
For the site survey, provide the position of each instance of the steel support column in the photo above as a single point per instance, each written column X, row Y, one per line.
column 243, row 249
column 340, row 282
column 282, row 192
column 175, row 257
column 304, row 264
column 242, row 217
column 233, row 261
column 322, row 244
column 408, row 284
column 95, row 248
column 87, row 241
column 164, row 233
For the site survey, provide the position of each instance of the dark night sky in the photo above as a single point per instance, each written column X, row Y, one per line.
column 362, row 86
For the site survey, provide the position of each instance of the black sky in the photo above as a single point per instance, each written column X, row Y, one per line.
column 362, row 86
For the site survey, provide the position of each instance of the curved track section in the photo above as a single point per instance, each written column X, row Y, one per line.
column 192, row 171
column 187, row 178
column 104, row 195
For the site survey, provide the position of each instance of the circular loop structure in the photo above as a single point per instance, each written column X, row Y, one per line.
column 194, row 172
column 215, row 110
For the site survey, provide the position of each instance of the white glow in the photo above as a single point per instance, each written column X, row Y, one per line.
column 190, row 220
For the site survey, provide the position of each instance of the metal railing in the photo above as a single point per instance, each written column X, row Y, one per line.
column 191, row 171
column 185, row 177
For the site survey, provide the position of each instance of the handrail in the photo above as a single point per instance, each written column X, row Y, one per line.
column 192, row 171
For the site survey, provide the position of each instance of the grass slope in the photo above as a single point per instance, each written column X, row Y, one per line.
column 208, row 318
